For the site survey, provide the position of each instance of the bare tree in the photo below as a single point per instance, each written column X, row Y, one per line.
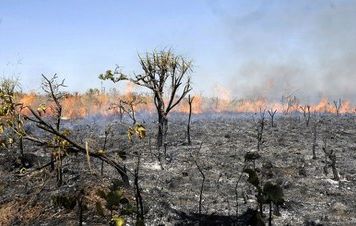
column 190, row 101
column 60, row 139
column 200, row 169
column 260, row 129
column 315, row 126
column 128, row 106
column 271, row 114
column 107, row 132
column 163, row 73
column 306, row 113
column 337, row 105
column 140, row 219
column 292, row 103
column 52, row 88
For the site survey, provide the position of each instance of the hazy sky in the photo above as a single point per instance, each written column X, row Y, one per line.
column 252, row 48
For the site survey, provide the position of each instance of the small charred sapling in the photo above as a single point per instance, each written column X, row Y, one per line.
column 272, row 114
column 128, row 106
column 102, row 151
column 201, row 190
column 330, row 160
column 337, row 105
column 140, row 217
column 261, row 122
column 315, row 128
column 306, row 113
column 190, row 101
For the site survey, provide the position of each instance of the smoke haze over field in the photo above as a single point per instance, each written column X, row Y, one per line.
column 305, row 47
column 245, row 48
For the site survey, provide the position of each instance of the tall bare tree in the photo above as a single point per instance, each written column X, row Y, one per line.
column 164, row 73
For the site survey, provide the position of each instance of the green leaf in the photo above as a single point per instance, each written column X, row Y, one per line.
column 118, row 220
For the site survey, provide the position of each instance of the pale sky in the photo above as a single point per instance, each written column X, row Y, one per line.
column 250, row 47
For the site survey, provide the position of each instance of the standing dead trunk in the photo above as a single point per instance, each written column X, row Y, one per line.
column 314, row 140
column 333, row 167
column 270, row 214
column 337, row 105
column 190, row 101
column 271, row 114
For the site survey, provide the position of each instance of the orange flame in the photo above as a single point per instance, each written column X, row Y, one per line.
column 97, row 103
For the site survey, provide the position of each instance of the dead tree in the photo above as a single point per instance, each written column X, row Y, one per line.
column 163, row 73
column 61, row 139
column 201, row 187
column 52, row 88
column 71, row 145
column 103, row 150
column 81, row 205
column 292, row 103
column 260, row 129
column 128, row 106
column 306, row 113
column 315, row 126
column 140, row 219
column 337, row 105
column 237, row 193
column 271, row 114
column 190, row 101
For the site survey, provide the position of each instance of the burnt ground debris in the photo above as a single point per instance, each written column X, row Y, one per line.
column 171, row 194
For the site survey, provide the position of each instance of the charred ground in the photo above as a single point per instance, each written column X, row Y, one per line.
column 171, row 188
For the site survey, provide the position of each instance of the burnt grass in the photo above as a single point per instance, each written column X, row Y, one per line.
column 171, row 194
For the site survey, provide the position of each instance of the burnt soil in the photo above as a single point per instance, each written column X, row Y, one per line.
column 170, row 189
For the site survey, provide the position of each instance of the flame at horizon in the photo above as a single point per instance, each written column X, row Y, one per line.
column 98, row 103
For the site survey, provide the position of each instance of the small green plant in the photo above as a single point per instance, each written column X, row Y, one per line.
column 10, row 114
column 115, row 201
column 138, row 130
column 117, row 221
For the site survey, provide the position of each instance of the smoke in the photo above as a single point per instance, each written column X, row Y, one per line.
column 305, row 48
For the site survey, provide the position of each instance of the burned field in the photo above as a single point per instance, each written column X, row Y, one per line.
column 203, row 183
column 169, row 158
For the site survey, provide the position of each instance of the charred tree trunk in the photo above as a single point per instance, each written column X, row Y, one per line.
column 139, row 201
column 337, row 105
column 270, row 214
column 201, row 192
column 190, row 101
column 271, row 114
column 59, row 171
column 314, row 140
column 333, row 167
column 21, row 147
column 162, row 129
column 80, row 200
